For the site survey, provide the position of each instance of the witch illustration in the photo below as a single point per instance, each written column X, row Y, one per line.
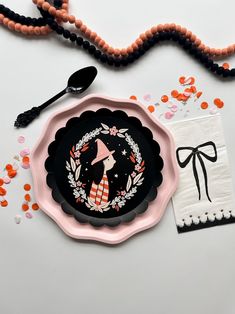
column 104, row 161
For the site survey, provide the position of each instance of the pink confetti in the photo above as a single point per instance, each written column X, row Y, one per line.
column 6, row 180
column 25, row 165
column 147, row 97
column 169, row 115
column 174, row 108
column 17, row 219
column 28, row 215
column 213, row 110
column 21, row 139
column 25, row 152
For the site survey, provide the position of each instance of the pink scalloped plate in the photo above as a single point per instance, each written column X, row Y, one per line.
column 104, row 234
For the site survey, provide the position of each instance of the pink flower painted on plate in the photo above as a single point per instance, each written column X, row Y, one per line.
column 137, row 167
column 123, row 193
column 133, row 174
column 79, row 183
column 113, row 131
column 77, row 161
column 77, row 154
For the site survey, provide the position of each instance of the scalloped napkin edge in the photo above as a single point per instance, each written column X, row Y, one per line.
column 205, row 196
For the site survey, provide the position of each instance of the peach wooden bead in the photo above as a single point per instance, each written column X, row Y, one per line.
column 1, row 18
column 117, row 52
column 183, row 30
column 212, row 51
column 88, row 33
column 218, row 52
column 178, row 28
column 206, row 49
column 130, row 50
column 35, row 1
column 149, row 34
column 5, row 21
column 224, row 52
column 64, row 17
column 139, row 41
column 58, row 14
column 17, row 27
column 78, row 23
column 160, row 28
column 101, row 43
column 143, row 36
column 197, row 42
column 230, row 49
column 24, row 29
column 37, row 30
column 11, row 25
column 97, row 39
column 71, row 19
column 106, row 47
column 166, row 27
column 123, row 51
column 44, row 30
column 110, row 50
column 46, row 6
column 172, row 26
column 52, row 11
column 30, row 30
column 154, row 30
column 189, row 34
column 65, row 6
column 39, row 2
column 93, row 35
column 193, row 37
column 83, row 28
column 134, row 46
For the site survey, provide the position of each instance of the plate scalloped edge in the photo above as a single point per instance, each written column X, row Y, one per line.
column 104, row 234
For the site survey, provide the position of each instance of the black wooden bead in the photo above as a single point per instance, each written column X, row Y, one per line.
column 151, row 42
column 110, row 60
column 54, row 26
column 117, row 62
column 220, row 70
column 124, row 61
column 66, row 33
column 232, row 72
column 130, row 58
column 146, row 46
column 73, row 37
column 103, row 58
column 214, row 67
column 97, row 54
column 156, row 38
column 59, row 30
column 226, row 73
column 91, row 49
column 79, row 41
column 86, row 44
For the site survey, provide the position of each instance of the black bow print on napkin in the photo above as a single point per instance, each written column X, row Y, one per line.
column 195, row 154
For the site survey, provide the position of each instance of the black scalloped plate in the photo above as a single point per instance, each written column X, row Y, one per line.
column 132, row 181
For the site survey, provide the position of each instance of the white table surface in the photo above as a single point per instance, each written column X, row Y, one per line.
column 158, row 271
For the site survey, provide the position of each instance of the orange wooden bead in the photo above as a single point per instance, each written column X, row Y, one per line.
column 225, row 65
column 12, row 173
column 25, row 159
column 1, row 182
column 9, row 167
column 219, row 103
column 133, row 97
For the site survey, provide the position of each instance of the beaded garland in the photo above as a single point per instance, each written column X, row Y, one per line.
column 26, row 25
column 53, row 14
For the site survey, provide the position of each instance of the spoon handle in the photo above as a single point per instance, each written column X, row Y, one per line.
column 51, row 100
column 25, row 118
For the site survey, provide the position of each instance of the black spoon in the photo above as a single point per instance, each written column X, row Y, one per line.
column 77, row 84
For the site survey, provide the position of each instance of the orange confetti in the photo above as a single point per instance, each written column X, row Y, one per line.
column 2, row 191
column 181, row 79
column 9, row 167
column 4, row 203
column 165, row 98
column 35, row 206
column 219, row 103
column 199, row 94
column 1, row 182
column 204, row 105
column 193, row 89
column 25, row 159
column 226, row 65
column 174, row 93
column 27, row 187
column 25, row 207
column 133, row 97
column 12, row 173
column 151, row 108
column 27, row 197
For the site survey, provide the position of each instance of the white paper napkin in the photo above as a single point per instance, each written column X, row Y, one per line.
column 204, row 197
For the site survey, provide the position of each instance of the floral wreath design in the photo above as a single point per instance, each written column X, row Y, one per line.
column 135, row 179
